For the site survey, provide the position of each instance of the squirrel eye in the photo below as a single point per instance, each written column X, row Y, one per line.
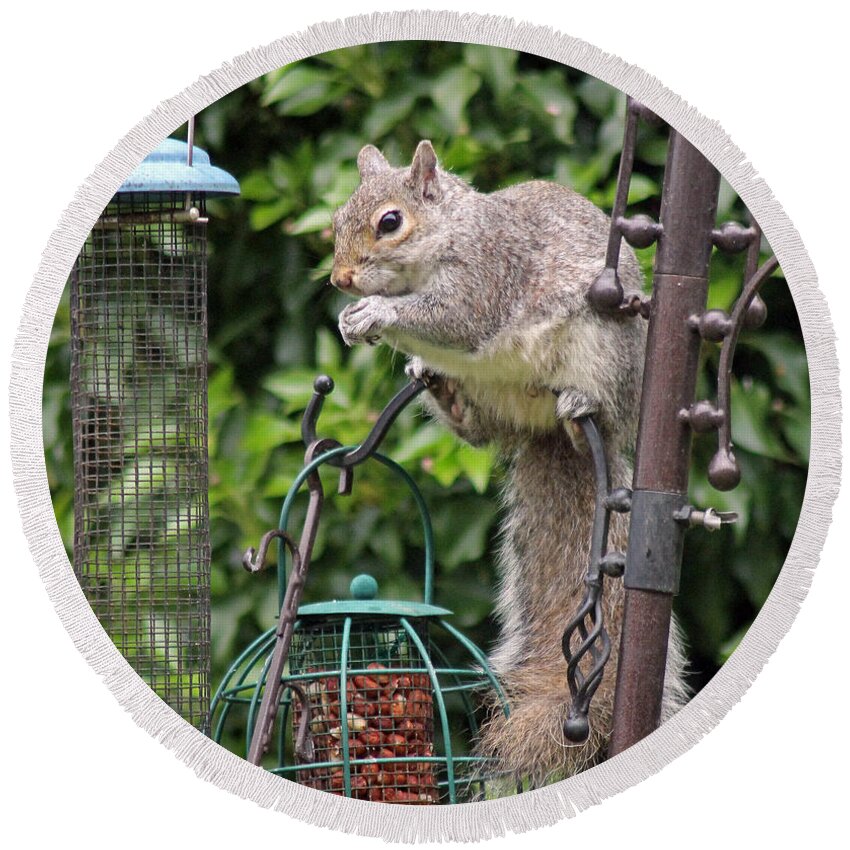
column 389, row 222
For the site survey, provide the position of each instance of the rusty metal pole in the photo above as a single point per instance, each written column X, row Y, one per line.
column 660, row 484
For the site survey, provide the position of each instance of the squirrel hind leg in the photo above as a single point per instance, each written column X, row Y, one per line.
column 448, row 403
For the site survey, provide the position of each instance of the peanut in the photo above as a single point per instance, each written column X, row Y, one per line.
column 372, row 738
column 356, row 748
column 388, row 716
column 419, row 704
column 380, row 678
column 369, row 686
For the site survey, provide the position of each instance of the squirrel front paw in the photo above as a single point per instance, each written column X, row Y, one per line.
column 365, row 320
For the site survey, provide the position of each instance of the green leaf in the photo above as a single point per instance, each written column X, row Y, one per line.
column 451, row 92
column 551, row 99
column 728, row 646
column 470, row 534
column 445, row 469
column 344, row 182
column 497, row 65
column 265, row 215
column 725, row 282
column 257, row 187
column 388, row 113
column 748, row 567
column 295, row 387
column 221, row 393
column 579, row 176
column 477, row 464
column 600, row 98
column 300, row 87
column 266, row 431
column 328, row 351
column 429, row 440
column 312, row 221
column 797, row 429
column 787, row 358
column 652, row 149
column 640, row 188
column 462, row 154
column 752, row 425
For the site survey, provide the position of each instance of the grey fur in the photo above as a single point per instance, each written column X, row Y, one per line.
column 487, row 295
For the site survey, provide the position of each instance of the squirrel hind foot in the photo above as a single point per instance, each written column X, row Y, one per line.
column 446, row 400
column 572, row 404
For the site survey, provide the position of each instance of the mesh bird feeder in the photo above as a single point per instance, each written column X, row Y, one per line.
column 138, row 401
column 358, row 697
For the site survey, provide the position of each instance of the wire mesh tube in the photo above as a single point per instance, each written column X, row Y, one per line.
column 138, row 395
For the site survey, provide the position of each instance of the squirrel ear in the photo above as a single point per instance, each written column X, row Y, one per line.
column 423, row 171
column 371, row 161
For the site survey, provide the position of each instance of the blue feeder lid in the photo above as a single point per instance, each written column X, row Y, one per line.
column 363, row 589
column 165, row 170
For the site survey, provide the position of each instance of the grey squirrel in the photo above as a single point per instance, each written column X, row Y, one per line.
column 486, row 294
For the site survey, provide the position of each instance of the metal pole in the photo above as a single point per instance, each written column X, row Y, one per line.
column 653, row 560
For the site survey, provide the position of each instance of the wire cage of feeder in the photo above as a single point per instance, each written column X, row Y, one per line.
column 138, row 299
column 368, row 703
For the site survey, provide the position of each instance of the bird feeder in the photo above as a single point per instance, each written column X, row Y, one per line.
column 138, row 294
column 357, row 697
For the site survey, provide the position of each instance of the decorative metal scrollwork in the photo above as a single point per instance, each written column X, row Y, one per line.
column 640, row 231
column 255, row 561
column 322, row 387
column 606, row 296
column 749, row 311
column 594, row 644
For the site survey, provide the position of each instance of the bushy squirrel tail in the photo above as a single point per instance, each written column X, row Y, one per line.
column 549, row 501
column 528, row 749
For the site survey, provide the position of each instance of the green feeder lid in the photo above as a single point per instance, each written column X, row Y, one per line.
column 363, row 591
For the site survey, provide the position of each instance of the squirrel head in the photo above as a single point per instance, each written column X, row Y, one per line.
column 383, row 234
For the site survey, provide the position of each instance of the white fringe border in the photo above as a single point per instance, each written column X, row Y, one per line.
column 472, row 821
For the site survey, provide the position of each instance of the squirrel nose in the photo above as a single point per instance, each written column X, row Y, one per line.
column 342, row 278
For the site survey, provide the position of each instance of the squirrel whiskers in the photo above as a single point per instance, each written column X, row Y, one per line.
column 486, row 294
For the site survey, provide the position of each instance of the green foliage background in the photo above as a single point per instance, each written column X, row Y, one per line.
column 496, row 117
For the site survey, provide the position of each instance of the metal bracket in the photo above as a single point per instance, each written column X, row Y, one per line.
column 656, row 540
column 709, row 518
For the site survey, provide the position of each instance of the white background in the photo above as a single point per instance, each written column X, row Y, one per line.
column 76, row 78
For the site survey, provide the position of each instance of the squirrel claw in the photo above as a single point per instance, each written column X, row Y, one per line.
column 416, row 371
column 364, row 320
